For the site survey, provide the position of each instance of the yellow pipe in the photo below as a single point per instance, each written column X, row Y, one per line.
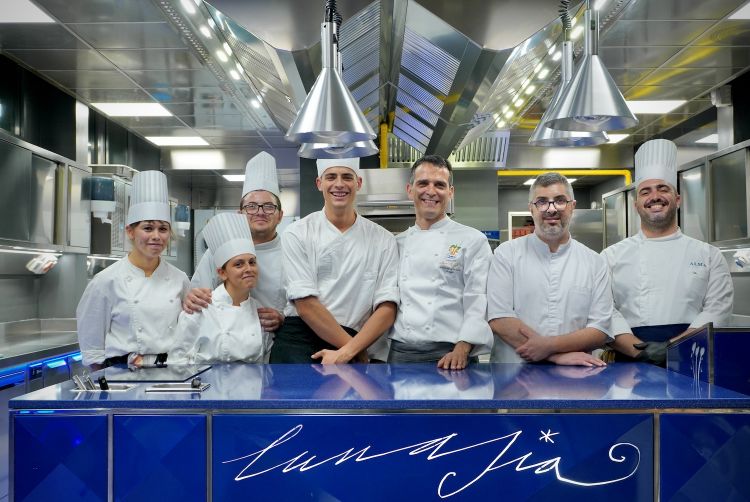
column 383, row 145
column 575, row 172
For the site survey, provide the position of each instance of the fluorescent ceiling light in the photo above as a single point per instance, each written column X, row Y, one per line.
column 530, row 181
column 234, row 177
column 177, row 140
column 654, row 107
column 742, row 13
column 188, row 6
column 692, row 176
column 23, row 11
column 711, row 138
column 616, row 138
column 203, row 159
column 132, row 109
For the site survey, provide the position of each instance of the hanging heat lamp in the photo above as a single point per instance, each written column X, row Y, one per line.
column 330, row 114
column 591, row 101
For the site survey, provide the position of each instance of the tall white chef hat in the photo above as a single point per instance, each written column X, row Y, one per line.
column 351, row 163
column 149, row 198
column 228, row 235
column 656, row 160
column 260, row 174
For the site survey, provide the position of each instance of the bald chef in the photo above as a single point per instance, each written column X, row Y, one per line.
column 262, row 207
column 442, row 317
column 340, row 274
column 663, row 281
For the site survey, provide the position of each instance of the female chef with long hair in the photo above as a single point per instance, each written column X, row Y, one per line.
column 229, row 329
column 129, row 310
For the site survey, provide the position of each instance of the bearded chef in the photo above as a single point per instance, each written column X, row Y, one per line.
column 664, row 283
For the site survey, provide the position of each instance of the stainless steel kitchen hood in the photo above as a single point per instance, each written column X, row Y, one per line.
column 383, row 194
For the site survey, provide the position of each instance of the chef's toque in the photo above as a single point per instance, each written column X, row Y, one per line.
column 227, row 236
column 149, row 198
column 351, row 163
column 260, row 174
column 656, row 160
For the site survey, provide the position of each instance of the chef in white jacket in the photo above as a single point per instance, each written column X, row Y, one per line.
column 262, row 207
column 548, row 295
column 442, row 315
column 664, row 282
column 229, row 329
column 128, row 311
column 340, row 275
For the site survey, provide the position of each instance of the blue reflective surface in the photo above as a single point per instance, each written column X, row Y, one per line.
column 414, row 386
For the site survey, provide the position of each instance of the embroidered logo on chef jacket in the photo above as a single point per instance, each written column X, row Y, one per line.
column 451, row 262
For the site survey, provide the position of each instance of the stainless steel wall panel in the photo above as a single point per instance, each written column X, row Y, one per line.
column 730, row 32
column 42, row 201
column 19, row 297
column 178, row 78
column 658, row 92
column 15, row 173
column 688, row 76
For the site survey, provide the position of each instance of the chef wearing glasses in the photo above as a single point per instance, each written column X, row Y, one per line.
column 261, row 206
column 548, row 295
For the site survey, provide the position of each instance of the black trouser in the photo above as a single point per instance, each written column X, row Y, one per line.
column 296, row 342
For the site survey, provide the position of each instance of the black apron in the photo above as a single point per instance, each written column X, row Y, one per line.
column 426, row 352
column 296, row 342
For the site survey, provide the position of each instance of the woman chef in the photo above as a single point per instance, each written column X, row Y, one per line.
column 128, row 312
column 229, row 329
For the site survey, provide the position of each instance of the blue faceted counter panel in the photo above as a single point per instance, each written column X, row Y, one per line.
column 58, row 457
column 713, row 355
column 160, row 458
column 705, row 457
column 433, row 457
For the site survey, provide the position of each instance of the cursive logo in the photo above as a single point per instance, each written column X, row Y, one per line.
column 449, row 484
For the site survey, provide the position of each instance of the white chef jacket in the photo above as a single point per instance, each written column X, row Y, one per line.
column 668, row 280
column 221, row 333
column 443, row 286
column 350, row 272
column 123, row 311
column 553, row 293
column 269, row 291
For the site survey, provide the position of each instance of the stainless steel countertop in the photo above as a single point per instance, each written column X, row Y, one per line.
column 17, row 349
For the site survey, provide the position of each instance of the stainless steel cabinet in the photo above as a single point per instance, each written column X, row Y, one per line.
column 42, row 200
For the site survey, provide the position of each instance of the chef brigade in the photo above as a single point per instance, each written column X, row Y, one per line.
column 442, row 316
column 262, row 207
column 548, row 295
column 664, row 283
column 229, row 329
column 340, row 276
column 128, row 311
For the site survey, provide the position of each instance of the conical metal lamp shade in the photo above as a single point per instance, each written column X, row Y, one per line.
column 325, row 151
column 544, row 136
column 330, row 114
column 591, row 101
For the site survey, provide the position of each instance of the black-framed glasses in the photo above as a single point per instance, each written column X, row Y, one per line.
column 253, row 208
column 560, row 203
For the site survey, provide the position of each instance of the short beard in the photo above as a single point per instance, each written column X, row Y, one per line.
column 659, row 222
column 552, row 232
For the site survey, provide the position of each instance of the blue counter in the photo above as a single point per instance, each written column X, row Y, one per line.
column 399, row 432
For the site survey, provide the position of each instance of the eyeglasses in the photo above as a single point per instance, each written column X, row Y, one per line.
column 253, row 208
column 560, row 203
